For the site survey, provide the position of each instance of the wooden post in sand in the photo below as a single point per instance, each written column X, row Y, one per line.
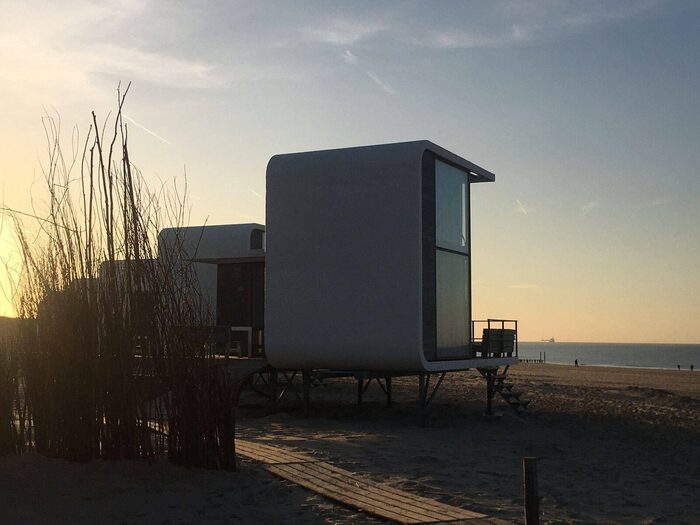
column 532, row 498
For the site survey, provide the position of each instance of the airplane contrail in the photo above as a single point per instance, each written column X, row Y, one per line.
column 146, row 129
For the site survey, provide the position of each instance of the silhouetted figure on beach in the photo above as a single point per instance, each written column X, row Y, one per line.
column 679, row 367
column 691, row 368
column 576, row 363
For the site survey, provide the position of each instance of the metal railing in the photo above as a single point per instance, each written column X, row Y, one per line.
column 491, row 325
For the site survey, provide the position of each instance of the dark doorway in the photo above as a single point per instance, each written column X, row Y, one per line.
column 240, row 294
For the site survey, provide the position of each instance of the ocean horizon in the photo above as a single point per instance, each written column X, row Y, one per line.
column 628, row 355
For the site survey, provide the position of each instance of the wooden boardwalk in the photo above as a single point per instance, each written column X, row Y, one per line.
column 356, row 491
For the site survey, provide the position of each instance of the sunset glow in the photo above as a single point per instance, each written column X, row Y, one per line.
column 588, row 116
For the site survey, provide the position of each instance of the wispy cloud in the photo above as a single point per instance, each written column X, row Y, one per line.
column 144, row 128
column 342, row 31
column 660, row 201
column 521, row 208
column 589, row 207
column 349, row 57
column 495, row 24
column 258, row 195
column 476, row 38
column 510, row 23
column 66, row 54
column 385, row 86
column 157, row 68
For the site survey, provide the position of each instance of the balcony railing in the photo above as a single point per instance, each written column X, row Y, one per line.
column 493, row 338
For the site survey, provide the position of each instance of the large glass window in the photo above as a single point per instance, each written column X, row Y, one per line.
column 451, row 187
column 452, row 261
column 452, row 306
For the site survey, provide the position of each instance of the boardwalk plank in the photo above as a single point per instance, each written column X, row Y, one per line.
column 357, row 491
column 347, row 485
column 338, row 495
column 374, row 491
column 418, row 501
column 270, row 454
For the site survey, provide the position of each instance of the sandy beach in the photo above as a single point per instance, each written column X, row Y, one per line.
column 614, row 445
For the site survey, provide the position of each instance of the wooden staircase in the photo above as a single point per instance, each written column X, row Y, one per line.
column 498, row 382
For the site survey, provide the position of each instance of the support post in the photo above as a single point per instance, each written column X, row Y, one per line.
column 273, row 389
column 490, row 390
column 360, row 390
column 229, row 439
column 423, row 382
column 306, row 376
column 421, row 389
column 532, row 498
column 388, row 390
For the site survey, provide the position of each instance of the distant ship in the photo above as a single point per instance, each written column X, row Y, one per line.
column 550, row 340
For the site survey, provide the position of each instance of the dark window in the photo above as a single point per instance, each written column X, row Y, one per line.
column 240, row 294
column 257, row 239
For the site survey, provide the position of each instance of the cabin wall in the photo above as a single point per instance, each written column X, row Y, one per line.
column 344, row 259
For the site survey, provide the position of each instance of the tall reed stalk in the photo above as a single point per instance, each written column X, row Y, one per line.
column 113, row 361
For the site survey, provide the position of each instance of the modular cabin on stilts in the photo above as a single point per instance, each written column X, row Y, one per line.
column 366, row 255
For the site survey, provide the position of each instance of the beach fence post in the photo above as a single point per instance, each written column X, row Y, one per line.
column 532, row 498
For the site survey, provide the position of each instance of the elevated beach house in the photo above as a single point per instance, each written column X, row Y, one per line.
column 363, row 268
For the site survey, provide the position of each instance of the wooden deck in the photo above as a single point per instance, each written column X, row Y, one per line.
column 356, row 491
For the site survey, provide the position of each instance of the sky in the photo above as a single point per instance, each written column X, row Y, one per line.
column 587, row 111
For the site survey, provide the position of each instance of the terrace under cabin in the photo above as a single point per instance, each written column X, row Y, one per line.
column 363, row 270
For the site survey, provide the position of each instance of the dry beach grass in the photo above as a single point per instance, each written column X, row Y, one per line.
column 614, row 446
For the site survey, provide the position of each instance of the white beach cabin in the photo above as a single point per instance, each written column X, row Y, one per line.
column 229, row 266
column 368, row 260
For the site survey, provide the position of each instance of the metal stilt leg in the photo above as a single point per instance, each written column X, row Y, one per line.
column 273, row 390
column 490, row 391
column 306, row 376
column 388, row 390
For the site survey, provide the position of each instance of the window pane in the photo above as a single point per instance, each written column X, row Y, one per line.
column 451, row 213
column 452, row 305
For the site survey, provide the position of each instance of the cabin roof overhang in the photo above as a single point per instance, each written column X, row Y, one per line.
column 214, row 244
column 412, row 149
column 476, row 173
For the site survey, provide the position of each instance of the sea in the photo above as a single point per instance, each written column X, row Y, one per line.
column 635, row 355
